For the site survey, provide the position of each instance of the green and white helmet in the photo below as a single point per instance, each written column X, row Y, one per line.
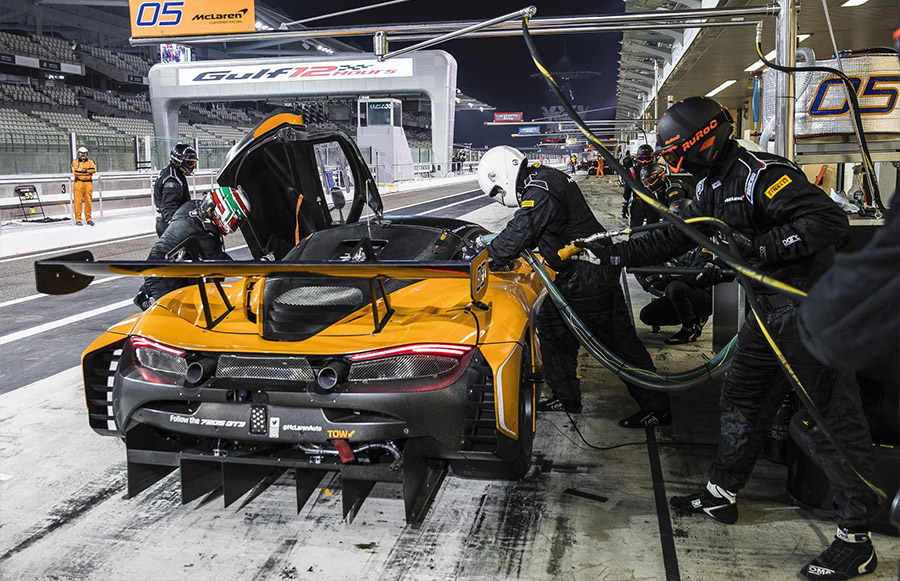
column 227, row 207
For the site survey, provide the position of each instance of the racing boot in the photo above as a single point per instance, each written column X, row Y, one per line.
column 554, row 404
column 647, row 419
column 713, row 501
column 850, row 555
column 685, row 335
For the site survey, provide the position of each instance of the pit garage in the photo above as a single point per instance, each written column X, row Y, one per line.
column 365, row 388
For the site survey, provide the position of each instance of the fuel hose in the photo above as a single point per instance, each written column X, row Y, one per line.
column 655, row 381
column 745, row 274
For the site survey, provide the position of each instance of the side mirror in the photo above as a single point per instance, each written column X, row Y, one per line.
column 338, row 198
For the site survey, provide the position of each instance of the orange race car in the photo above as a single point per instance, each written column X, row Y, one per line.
column 365, row 345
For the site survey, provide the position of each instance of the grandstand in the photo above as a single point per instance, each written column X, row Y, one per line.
column 42, row 47
column 14, row 121
column 135, row 126
column 24, row 94
column 70, row 122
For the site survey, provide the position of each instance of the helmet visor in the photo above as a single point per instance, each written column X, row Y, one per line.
column 673, row 157
column 645, row 158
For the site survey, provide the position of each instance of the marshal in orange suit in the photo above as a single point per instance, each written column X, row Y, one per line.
column 83, row 168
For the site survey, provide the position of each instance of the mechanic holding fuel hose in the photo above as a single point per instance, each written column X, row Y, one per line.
column 787, row 228
column 552, row 209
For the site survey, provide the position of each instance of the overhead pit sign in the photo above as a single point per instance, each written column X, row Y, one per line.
column 152, row 18
column 308, row 71
column 507, row 117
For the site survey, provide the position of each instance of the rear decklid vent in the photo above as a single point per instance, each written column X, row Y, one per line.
column 296, row 308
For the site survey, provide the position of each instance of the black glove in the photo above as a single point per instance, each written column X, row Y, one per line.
column 755, row 254
column 602, row 252
column 624, row 210
column 711, row 275
column 502, row 265
column 469, row 252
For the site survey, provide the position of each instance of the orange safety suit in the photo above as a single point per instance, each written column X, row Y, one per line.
column 83, row 188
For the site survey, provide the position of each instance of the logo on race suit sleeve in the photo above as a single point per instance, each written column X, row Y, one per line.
column 528, row 204
column 777, row 187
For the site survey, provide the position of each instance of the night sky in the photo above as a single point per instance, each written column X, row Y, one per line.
column 497, row 70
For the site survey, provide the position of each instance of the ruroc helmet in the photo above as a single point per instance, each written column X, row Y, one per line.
column 227, row 207
column 645, row 154
column 184, row 156
column 692, row 133
column 498, row 174
column 653, row 176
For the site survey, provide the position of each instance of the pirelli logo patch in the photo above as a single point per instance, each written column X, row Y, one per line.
column 528, row 204
column 777, row 186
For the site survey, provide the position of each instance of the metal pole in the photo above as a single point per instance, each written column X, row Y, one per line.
column 582, row 29
column 655, row 89
column 785, row 55
column 523, row 13
column 100, row 193
column 670, row 16
column 285, row 25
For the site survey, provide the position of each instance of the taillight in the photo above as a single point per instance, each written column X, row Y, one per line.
column 156, row 362
column 417, row 349
column 419, row 361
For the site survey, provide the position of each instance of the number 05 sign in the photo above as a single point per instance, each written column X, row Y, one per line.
column 152, row 18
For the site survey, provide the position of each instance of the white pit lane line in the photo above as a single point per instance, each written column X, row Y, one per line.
column 12, row 302
column 25, row 333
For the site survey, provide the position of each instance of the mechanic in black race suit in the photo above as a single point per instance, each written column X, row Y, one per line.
column 207, row 221
column 788, row 229
column 686, row 300
column 631, row 204
column 552, row 208
column 171, row 188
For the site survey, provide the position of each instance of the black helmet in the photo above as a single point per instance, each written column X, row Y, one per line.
column 645, row 154
column 653, row 176
column 692, row 133
column 184, row 156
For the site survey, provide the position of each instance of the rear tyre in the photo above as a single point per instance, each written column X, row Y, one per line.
column 517, row 453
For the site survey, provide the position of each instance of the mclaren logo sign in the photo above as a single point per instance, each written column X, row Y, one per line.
column 233, row 16
column 153, row 18
column 311, row 71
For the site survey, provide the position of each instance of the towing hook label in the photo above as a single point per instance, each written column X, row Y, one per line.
column 340, row 434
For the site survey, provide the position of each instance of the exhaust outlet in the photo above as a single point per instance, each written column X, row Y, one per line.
column 332, row 375
column 201, row 370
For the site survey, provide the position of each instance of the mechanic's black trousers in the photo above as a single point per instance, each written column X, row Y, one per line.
column 594, row 293
column 640, row 211
column 682, row 305
column 754, row 388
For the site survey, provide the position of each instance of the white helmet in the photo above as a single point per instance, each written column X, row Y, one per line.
column 82, row 150
column 498, row 171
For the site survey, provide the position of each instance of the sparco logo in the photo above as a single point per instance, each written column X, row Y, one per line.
column 233, row 16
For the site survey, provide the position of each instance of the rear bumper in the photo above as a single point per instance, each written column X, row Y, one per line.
column 296, row 417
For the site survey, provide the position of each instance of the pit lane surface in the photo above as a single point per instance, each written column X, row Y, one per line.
column 580, row 513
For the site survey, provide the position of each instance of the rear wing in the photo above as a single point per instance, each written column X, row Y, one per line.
column 74, row 272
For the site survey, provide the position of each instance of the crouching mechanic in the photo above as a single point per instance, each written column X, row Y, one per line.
column 788, row 229
column 207, row 221
column 552, row 209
